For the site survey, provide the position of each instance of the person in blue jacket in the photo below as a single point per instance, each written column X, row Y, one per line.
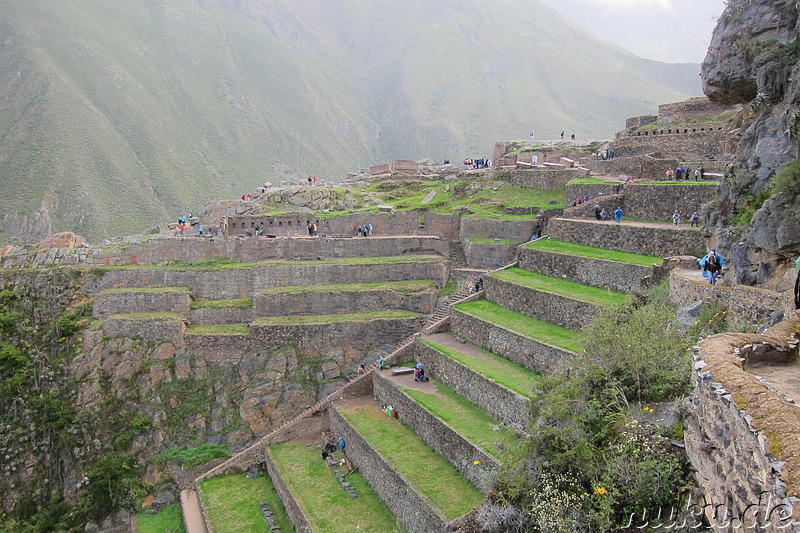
column 712, row 264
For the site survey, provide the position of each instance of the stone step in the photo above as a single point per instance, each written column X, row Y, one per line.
column 590, row 265
column 656, row 239
column 567, row 304
column 536, row 345
column 497, row 385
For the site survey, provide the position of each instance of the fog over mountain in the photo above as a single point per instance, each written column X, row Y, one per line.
column 116, row 116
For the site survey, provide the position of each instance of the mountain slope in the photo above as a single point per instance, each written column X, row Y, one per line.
column 119, row 116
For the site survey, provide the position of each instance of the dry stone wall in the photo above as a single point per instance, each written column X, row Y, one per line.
column 501, row 403
column 488, row 256
column 152, row 330
column 165, row 301
column 659, row 242
column 415, row 512
column 444, row 440
column 487, row 228
column 659, row 202
column 602, row 273
column 530, row 353
column 230, row 283
column 206, row 316
column 296, row 515
column 342, row 301
column 546, row 179
column 548, row 307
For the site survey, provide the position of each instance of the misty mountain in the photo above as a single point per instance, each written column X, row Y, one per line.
column 119, row 115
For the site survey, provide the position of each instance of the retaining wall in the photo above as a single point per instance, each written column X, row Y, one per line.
column 243, row 282
column 657, row 241
column 487, row 228
column 342, row 302
column 488, row 256
column 414, row 511
column 296, row 515
column 501, row 403
column 530, row 353
column 659, row 202
column 152, row 330
column 602, row 273
column 133, row 301
column 437, row 434
column 209, row 317
column 548, row 307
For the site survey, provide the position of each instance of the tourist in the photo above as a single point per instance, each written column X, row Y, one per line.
column 702, row 174
column 355, row 230
column 670, row 174
column 618, row 215
column 201, row 230
column 694, row 220
column 369, row 229
column 712, row 264
column 697, row 174
column 562, row 135
column 361, row 369
column 183, row 229
column 341, row 444
column 381, row 362
column 676, row 218
column 603, row 214
column 597, row 211
column 309, row 181
column 573, row 136
column 314, row 229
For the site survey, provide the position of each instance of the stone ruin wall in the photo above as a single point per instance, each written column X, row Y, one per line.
column 646, row 167
column 546, row 179
column 489, row 256
column 693, row 110
column 710, row 141
column 112, row 303
column 657, row 202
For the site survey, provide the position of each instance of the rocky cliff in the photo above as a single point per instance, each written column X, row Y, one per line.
column 753, row 60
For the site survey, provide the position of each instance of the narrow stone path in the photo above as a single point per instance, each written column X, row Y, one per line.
column 636, row 223
column 192, row 517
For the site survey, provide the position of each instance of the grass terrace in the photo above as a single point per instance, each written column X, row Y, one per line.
column 589, row 180
column 562, row 247
column 502, row 371
column 323, row 500
column 218, row 329
column 532, row 280
column 552, row 334
column 332, row 319
column 231, row 504
column 237, row 303
column 466, row 418
column 424, row 469
column 167, row 519
column 402, row 287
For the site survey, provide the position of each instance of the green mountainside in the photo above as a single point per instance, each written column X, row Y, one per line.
column 118, row 116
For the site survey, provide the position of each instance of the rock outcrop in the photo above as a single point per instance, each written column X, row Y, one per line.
column 753, row 60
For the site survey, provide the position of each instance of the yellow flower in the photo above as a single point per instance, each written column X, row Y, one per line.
column 476, row 462
column 601, row 490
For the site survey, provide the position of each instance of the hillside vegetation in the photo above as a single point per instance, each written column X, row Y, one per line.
column 116, row 117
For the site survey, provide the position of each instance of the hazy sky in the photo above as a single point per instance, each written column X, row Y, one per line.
column 675, row 31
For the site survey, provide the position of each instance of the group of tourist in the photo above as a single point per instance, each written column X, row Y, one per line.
column 685, row 173
column 478, row 162
column 694, row 219
column 312, row 180
column 606, row 154
column 362, row 231
column 601, row 214
column 312, row 229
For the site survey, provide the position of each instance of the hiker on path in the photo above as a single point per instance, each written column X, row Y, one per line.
column 694, row 220
column 603, row 214
column 597, row 211
column 618, row 215
column 712, row 264
column 676, row 218
column 562, row 135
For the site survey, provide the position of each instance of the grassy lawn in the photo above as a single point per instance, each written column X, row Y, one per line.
column 426, row 470
column 561, row 247
column 532, row 280
column 147, row 289
column 237, row 303
column 231, row 503
column 589, row 181
column 167, row 519
column 502, row 371
column 323, row 500
column 332, row 319
column 466, row 418
column 218, row 329
column 524, row 325
column 403, row 287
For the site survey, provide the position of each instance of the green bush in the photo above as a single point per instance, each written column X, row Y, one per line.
column 787, row 182
column 191, row 457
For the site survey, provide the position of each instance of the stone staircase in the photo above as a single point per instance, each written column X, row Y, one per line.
column 458, row 258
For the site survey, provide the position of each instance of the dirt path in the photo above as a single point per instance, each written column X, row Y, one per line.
column 661, row 225
column 193, row 519
column 784, row 377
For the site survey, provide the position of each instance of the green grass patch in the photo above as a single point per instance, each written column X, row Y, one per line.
column 505, row 242
column 502, row 371
column 585, row 293
column 590, row 181
column 148, row 316
column 237, row 303
column 189, row 458
column 402, row 287
column 323, row 500
column 561, row 337
column 466, row 418
column 183, row 290
column 569, row 248
column 218, row 329
column 168, row 518
column 449, row 289
column 423, row 468
column 213, row 262
column 231, row 503
column 332, row 319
